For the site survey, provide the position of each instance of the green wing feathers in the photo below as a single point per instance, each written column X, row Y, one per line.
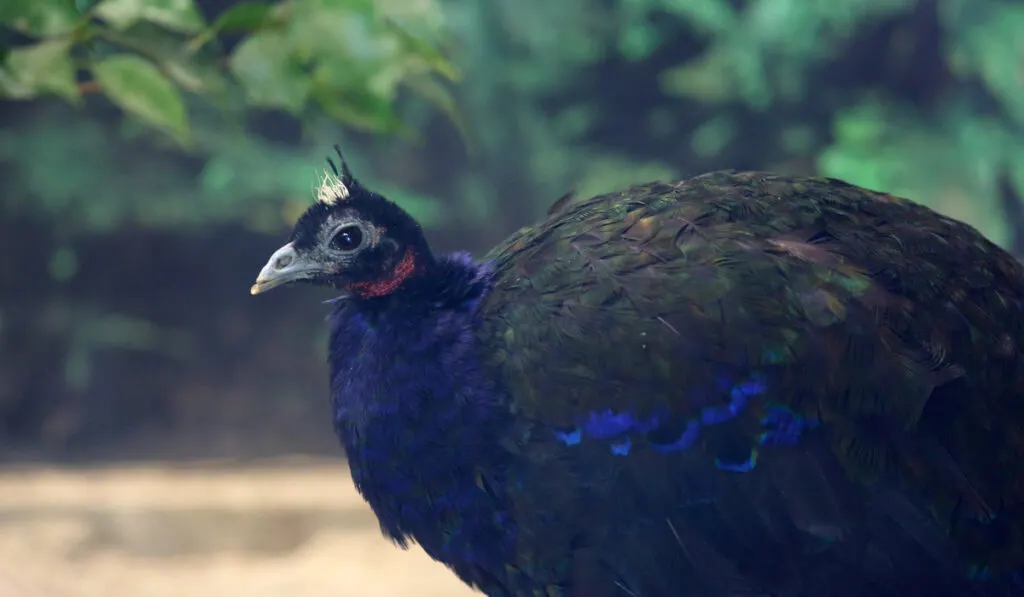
column 894, row 328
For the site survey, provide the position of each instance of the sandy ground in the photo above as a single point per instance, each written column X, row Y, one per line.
column 291, row 528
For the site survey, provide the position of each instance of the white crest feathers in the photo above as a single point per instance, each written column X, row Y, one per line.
column 332, row 189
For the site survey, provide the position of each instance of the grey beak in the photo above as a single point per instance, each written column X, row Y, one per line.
column 284, row 266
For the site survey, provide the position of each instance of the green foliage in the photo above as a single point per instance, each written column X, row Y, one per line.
column 39, row 18
column 985, row 42
column 954, row 156
column 326, row 62
column 139, row 88
column 954, row 163
column 240, row 178
column 271, row 74
column 732, row 93
column 345, row 58
column 736, row 80
column 176, row 15
column 42, row 67
column 514, row 56
column 764, row 52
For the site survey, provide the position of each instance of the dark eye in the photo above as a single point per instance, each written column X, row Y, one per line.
column 348, row 238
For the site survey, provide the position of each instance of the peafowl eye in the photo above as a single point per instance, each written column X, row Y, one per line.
column 736, row 384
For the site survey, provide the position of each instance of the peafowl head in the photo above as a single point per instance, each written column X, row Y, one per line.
column 352, row 239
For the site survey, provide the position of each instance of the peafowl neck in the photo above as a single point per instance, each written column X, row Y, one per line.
column 407, row 355
column 415, row 410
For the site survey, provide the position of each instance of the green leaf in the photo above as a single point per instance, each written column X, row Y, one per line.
column 244, row 16
column 265, row 65
column 708, row 17
column 178, row 15
column 638, row 42
column 192, row 70
column 40, row 68
column 432, row 91
column 339, row 29
column 83, row 6
column 195, row 76
column 139, row 88
column 41, row 18
column 712, row 137
column 707, row 78
column 423, row 49
column 978, row 47
column 357, row 107
column 357, row 94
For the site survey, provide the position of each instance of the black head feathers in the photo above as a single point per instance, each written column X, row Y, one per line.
column 351, row 238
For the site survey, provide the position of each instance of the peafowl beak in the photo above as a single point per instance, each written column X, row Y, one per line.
column 284, row 266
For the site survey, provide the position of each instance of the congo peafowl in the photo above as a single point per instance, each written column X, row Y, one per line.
column 737, row 384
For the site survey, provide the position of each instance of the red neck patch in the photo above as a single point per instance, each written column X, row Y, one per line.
column 385, row 286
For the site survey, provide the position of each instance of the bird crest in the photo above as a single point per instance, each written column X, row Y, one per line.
column 337, row 183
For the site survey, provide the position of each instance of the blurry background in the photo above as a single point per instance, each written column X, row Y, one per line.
column 161, row 431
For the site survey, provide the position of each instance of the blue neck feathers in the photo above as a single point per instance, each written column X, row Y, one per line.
column 417, row 414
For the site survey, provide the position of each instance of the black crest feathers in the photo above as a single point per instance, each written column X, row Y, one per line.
column 345, row 174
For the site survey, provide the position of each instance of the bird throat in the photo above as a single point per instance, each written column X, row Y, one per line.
column 387, row 285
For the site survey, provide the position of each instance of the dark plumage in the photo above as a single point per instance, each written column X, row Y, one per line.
column 737, row 384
